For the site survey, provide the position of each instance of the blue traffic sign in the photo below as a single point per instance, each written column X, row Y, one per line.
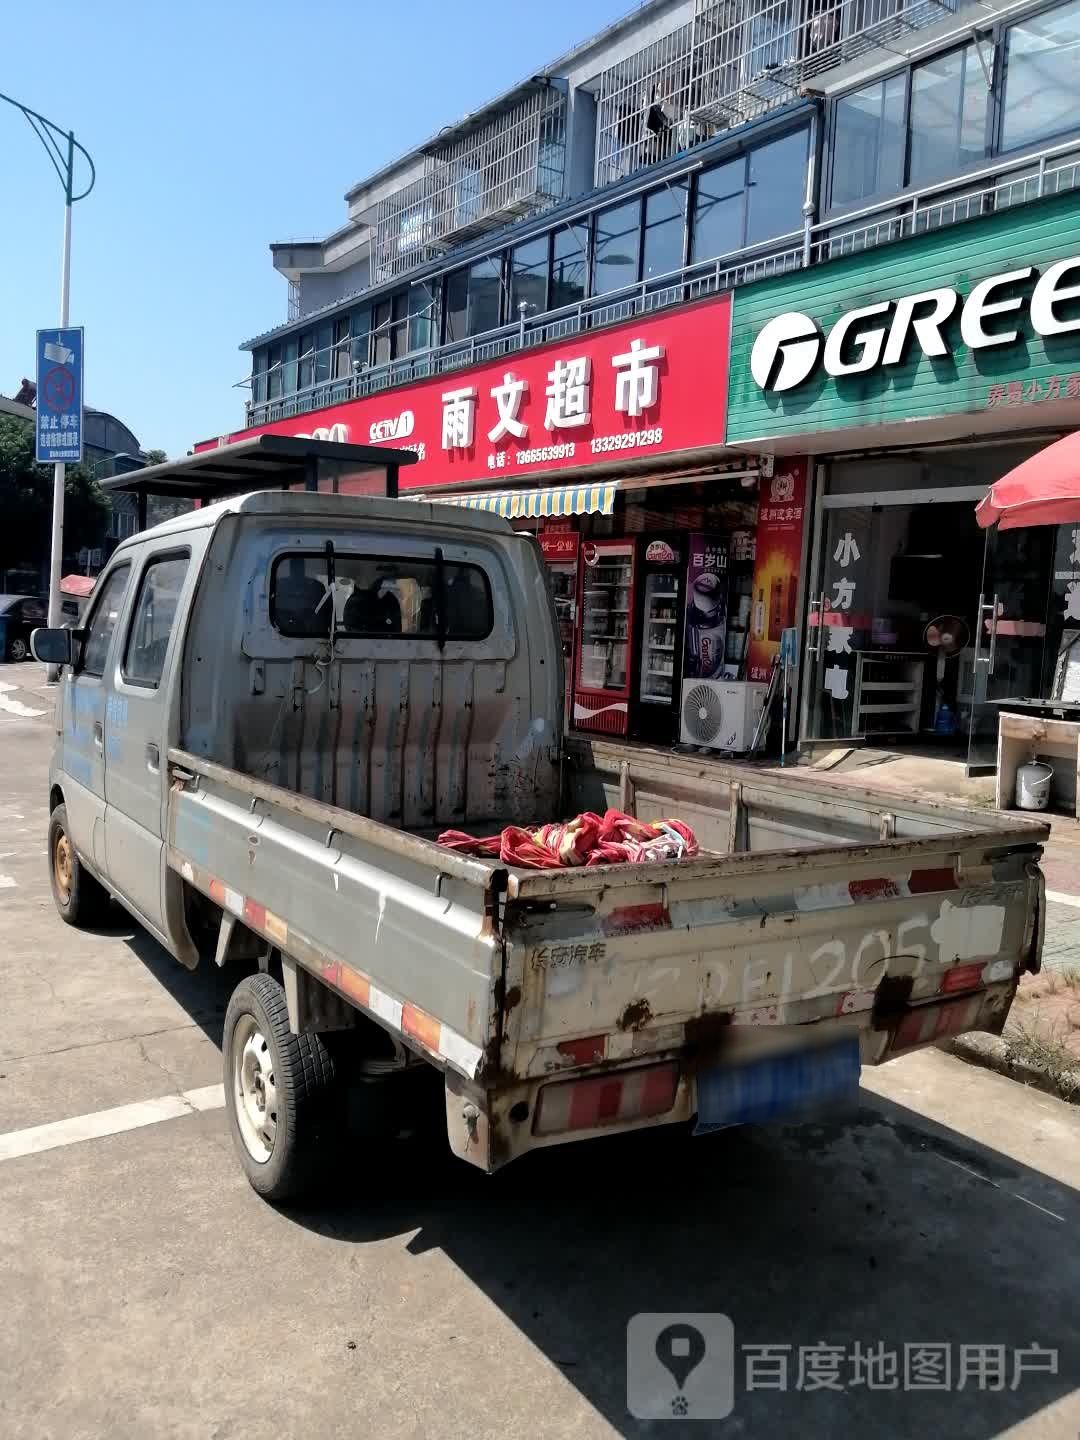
column 59, row 395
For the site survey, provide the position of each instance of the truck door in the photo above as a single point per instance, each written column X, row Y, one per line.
column 83, row 719
column 136, row 731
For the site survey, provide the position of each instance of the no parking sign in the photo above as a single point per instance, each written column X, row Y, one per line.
column 59, row 395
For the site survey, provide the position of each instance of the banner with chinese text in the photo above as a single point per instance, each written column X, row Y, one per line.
column 650, row 387
column 776, row 565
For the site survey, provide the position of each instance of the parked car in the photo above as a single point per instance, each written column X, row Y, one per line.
column 19, row 614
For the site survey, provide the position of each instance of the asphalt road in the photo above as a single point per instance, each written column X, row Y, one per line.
column 146, row 1291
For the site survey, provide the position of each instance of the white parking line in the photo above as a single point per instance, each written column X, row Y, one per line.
column 8, row 882
column 1059, row 897
column 16, row 707
column 100, row 1123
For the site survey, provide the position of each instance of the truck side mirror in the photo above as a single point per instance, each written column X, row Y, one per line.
column 52, row 647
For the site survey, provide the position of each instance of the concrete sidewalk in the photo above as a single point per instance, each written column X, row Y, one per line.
column 1041, row 1042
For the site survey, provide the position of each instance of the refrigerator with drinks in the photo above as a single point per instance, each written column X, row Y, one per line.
column 661, row 586
column 605, row 632
column 560, row 551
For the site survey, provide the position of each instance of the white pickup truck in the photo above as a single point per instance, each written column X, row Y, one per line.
column 278, row 701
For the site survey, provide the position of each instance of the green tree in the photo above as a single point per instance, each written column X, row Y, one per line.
column 155, row 457
column 26, row 502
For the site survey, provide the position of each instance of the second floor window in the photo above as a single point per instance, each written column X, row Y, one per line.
column 949, row 97
column 1042, row 66
column 939, row 118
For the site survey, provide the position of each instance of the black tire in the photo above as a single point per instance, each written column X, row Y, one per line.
column 18, row 650
column 309, row 1115
column 80, row 899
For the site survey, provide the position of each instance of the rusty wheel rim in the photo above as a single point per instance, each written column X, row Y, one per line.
column 63, row 860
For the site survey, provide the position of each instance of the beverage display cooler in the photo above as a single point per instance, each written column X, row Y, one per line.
column 662, row 567
column 560, row 550
column 606, row 634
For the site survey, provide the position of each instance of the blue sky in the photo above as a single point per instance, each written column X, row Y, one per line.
column 215, row 129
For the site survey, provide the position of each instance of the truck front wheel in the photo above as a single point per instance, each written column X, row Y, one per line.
column 79, row 898
column 281, row 1093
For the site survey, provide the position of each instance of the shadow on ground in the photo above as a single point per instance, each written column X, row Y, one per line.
column 882, row 1229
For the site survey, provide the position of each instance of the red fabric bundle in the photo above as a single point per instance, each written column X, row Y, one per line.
column 588, row 839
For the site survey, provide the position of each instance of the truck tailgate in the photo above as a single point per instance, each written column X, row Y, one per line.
column 614, row 962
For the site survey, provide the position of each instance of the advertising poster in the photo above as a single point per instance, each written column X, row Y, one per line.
column 776, row 565
column 706, row 607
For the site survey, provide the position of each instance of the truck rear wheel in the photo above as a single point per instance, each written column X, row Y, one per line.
column 281, row 1093
column 80, row 899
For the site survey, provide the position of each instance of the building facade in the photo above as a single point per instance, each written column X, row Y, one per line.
column 590, row 305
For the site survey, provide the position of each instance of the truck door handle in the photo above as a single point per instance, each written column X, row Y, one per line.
column 153, row 757
column 99, row 734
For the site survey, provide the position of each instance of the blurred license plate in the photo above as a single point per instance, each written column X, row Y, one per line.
column 776, row 1085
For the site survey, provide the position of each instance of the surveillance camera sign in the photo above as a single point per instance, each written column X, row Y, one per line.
column 59, row 428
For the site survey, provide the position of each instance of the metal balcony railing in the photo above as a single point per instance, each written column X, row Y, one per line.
column 1053, row 170
column 503, row 168
column 998, row 185
column 735, row 60
column 749, row 57
column 694, row 282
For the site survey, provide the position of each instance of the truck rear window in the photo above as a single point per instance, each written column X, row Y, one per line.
column 379, row 595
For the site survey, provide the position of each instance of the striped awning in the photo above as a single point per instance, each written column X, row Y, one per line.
column 517, row 504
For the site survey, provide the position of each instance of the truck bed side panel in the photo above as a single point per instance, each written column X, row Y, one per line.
column 359, row 904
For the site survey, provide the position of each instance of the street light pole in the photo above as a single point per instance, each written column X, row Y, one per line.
column 60, row 146
column 56, row 545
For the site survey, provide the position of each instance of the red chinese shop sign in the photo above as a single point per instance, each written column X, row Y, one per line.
column 655, row 385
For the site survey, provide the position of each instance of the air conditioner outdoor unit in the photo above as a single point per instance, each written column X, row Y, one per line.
column 720, row 714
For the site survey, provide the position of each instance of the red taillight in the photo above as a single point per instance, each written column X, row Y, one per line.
column 962, row 977
column 611, row 1099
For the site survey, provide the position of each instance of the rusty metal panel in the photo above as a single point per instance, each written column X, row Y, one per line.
column 401, row 729
column 415, row 919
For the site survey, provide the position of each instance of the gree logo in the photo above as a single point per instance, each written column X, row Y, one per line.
column 785, row 351
column 788, row 347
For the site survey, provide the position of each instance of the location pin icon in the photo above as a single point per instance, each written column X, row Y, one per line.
column 680, row 1349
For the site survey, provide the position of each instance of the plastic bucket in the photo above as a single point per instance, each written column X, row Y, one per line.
column 1033, row 786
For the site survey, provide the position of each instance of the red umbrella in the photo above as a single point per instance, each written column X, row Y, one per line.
column 1044, row 490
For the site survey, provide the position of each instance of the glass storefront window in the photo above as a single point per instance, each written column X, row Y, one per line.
column 776, row 187
column 306, row 359
column 288, row 367
column 529, row 277
column 258, row 377
column 569, row 265
column 485, row 294
column 665, row 230
column 1042, row 55
column 360, row 334
column 273, row 372
column 342, row 358
column 949, row 98
column 868, row 142
column 617, row 247
column 719, row 204
column 323, row 343
column 421, row 316
column 457, row 305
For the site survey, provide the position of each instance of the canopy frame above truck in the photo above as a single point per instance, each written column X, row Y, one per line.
column 268, row 462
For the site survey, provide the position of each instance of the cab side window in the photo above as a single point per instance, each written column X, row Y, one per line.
column 103, row 622
column 152, row 620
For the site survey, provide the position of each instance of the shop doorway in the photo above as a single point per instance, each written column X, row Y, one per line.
column 919, row 623
column 1012, row 637
column 892, row 618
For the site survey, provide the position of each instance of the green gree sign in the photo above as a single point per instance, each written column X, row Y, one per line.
column 965, row 319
